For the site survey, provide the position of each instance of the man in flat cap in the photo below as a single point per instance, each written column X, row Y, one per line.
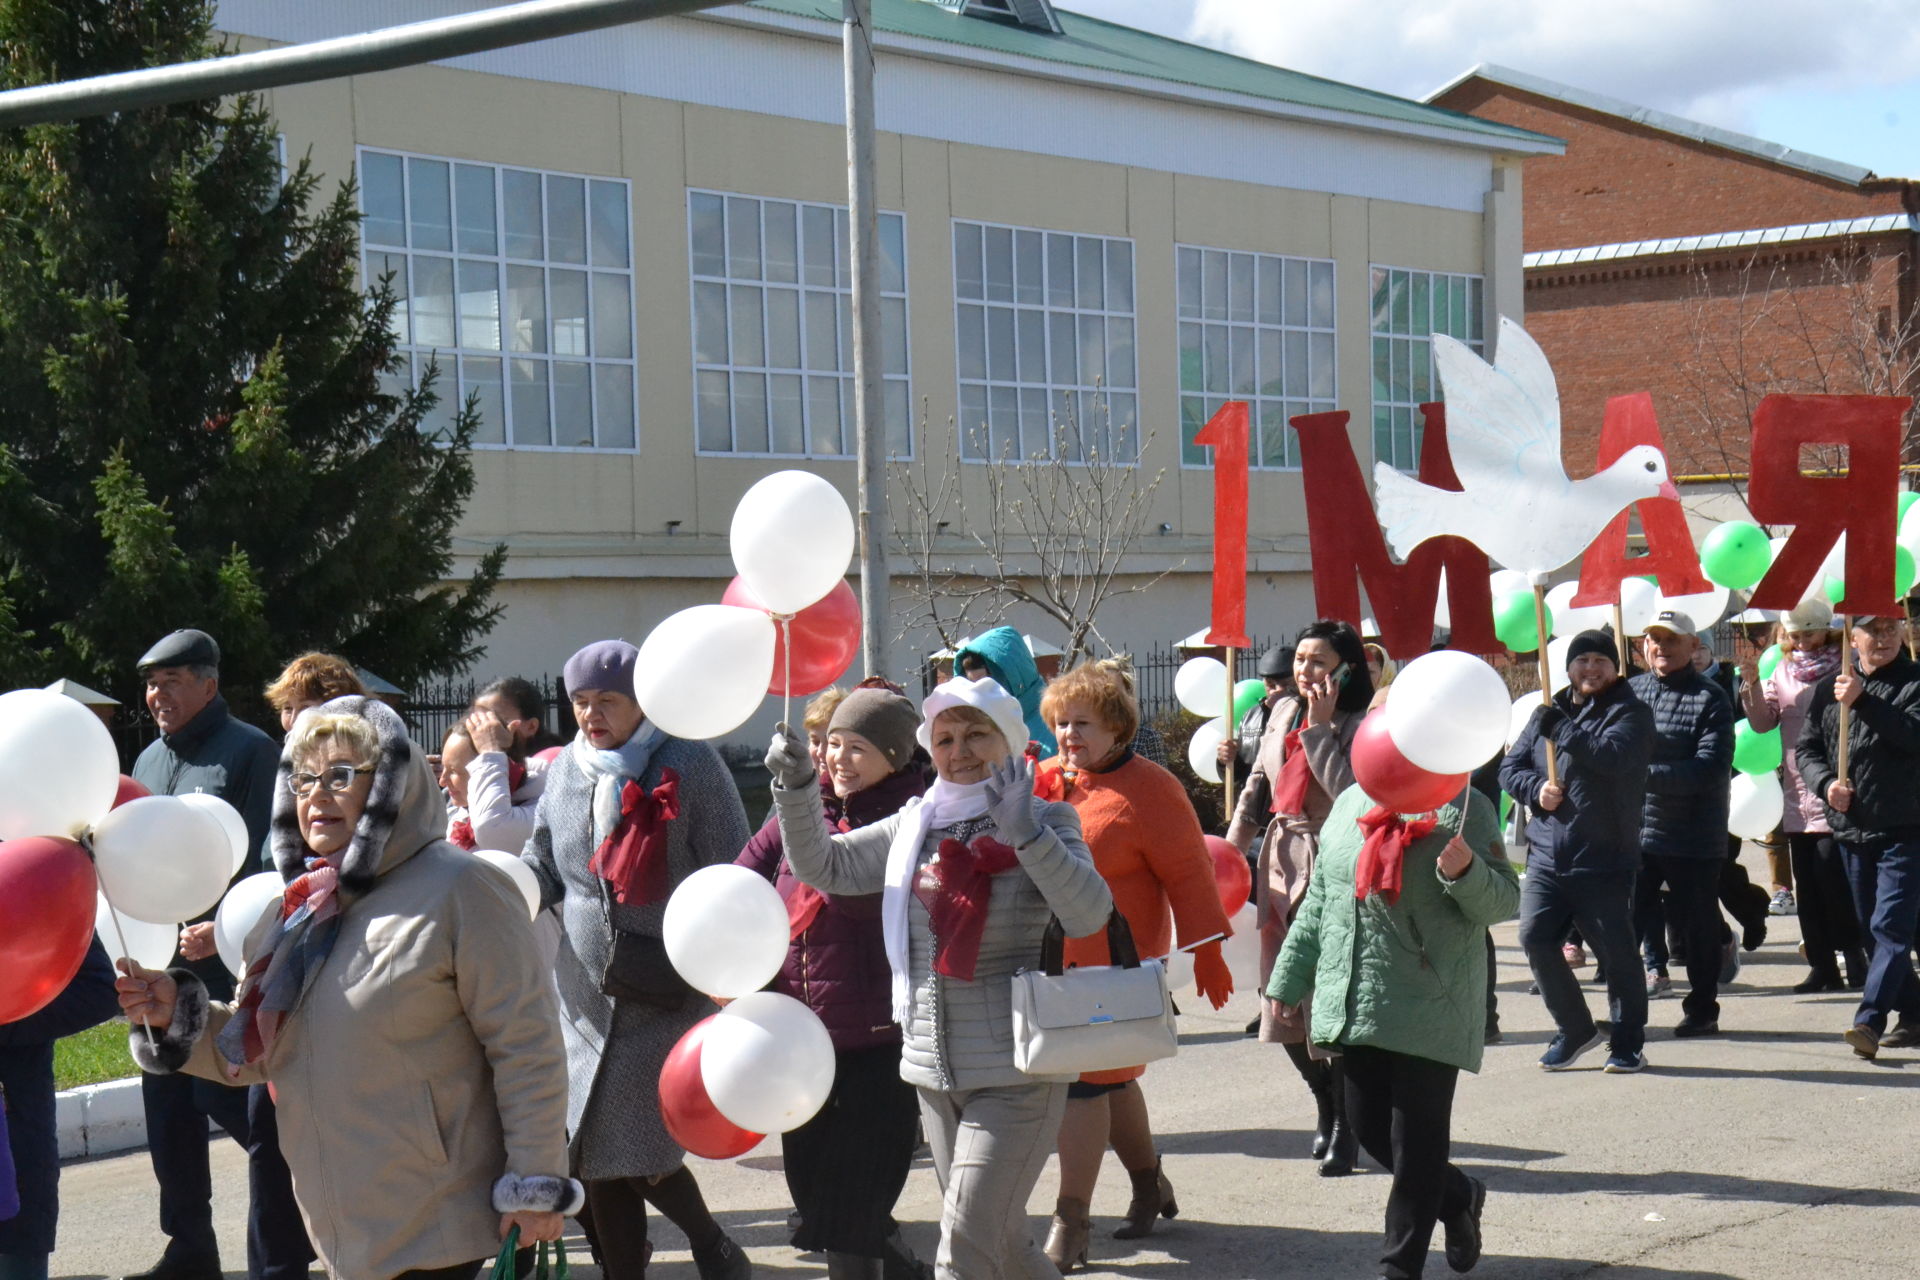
column 203, row 748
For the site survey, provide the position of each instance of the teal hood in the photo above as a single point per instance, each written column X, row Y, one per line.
column 1010, row 662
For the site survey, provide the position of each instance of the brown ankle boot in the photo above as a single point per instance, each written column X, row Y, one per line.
column 1067, row 1235
column 1152, row 1198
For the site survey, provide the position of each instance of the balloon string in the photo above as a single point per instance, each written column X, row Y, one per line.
column 786, row 675
column 113, row 913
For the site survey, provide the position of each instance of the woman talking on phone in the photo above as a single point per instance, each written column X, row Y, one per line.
column 1305, row 760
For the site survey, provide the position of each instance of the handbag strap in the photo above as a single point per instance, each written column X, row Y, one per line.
column 1121, row 950
column 503, row 1267
column 557, row 1270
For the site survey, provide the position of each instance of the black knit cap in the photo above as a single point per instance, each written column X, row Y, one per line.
column 1593, row 642
column 1277, row 662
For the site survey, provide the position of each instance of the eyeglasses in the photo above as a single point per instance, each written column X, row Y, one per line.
column 335, row 778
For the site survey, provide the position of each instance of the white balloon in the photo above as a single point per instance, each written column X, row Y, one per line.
column 58, row 761
column 1639, row 604
column 1704, row 607
column 1501, row 581
column 1523, row 708
column 517, row 871
column 1755, row 805
column 1557, row 663
column 792, row 540
column 240, row 914
column 1200, row 685
column 1242, row 951
column 1448, row 712
column 1571, row 621
column 1179, row 970
column 161, row 860
column 1773, row 548
column 1835, row 565
column 1909, row 529
column 725, row 931
column 703, row 671
column 767, row 1062
column 1203, row 749
column 1442, row 606
column 230, row 822
column 151, row 946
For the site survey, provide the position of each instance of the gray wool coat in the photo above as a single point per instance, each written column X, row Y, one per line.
column 615, row 1050
column 959, row 1034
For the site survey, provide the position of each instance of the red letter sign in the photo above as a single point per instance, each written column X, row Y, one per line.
column 1670, row 557
column 1226, row 431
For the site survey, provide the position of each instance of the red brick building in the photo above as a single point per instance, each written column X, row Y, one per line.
column 1700, row 265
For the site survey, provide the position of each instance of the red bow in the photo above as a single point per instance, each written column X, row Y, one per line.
column 1051, row 781
column 461, row 833
column 1290, row 792
column 633, row 857
column 1384, row 854
column 957, row 904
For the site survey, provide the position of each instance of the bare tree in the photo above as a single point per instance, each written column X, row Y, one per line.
column 1053, row 530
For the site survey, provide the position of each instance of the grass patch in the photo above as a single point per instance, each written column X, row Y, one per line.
column 97, row 1054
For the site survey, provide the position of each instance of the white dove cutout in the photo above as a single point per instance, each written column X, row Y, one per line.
column 1503, row 434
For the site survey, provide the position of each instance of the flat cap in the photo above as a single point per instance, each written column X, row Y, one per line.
column 188, row 648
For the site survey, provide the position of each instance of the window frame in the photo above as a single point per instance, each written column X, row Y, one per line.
column 1475, row 317
column 448, row 358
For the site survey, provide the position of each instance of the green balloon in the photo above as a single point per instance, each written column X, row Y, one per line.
column 1903, row 571
column 1836, row 590
column 1246, row 696
column 1756, row 752
column 1736, row 555
column 1515, row 623
column 1770, row 660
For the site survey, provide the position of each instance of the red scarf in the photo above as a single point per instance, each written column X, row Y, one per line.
column 633, row 857
column 957, row 906
column 1052, row 781
column 461, row 832
column 1290, row 792
column 1383, row 856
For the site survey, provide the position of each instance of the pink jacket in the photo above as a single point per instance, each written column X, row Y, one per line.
column 1782, row 701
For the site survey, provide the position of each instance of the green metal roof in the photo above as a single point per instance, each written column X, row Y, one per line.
column 1093, row 44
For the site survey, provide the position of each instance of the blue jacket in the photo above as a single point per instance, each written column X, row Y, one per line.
column 1691, row 771
column 26, row 1078
column 1010, row 662
column 1604, row 744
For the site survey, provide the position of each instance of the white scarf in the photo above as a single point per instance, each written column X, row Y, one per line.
column 610, row 769
column 944, row 804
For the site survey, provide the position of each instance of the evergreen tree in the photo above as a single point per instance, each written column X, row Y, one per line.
column 194, row 429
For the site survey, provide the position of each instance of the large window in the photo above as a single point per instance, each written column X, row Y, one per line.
column 773, row 327
column 1258, row 328
column 1045, row 324
column 1409, row 307
column 520, row 285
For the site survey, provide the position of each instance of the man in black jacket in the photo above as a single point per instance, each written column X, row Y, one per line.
column 1875, row 815
column 1583, row 848
column 1683, row 827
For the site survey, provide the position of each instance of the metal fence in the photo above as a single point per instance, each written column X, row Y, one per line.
column 432, row 709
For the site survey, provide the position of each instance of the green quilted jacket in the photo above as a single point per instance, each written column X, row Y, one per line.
column 1410, row 977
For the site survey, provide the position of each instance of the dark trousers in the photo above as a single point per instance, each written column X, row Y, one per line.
column 1886, row 894
column 178, row 1108
column 846, row 1166
column 1744, row 900
column 1824, row 897
column 277, row 1244
column 1401, row 1109
column 1693, row 887
column 1602, row 906
column 1493, row 993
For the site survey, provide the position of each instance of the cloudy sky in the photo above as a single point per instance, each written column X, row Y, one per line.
column 1840, row 78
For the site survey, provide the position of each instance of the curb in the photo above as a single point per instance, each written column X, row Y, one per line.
column 100, row 1119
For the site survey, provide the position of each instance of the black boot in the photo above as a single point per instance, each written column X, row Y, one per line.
column 852, row 1266
column 1319, row 1080
column 1343, row 1148
column 899, row 1262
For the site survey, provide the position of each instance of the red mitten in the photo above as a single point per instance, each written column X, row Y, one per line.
column 1211, row 977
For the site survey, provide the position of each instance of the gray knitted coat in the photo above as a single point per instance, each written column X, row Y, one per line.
column 959, row 1035
column 615, row 1051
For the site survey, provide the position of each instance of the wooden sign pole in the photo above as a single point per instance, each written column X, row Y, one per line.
column 1546, row 672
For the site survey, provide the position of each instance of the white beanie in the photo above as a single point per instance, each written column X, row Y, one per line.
column 985, row 695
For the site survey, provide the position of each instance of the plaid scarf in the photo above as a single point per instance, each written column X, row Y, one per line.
column 1383, row 856
column 291, row 956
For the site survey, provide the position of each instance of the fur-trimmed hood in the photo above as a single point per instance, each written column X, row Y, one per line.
column 404, row 810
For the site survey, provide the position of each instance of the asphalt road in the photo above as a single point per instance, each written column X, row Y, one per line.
column 1767, row 1152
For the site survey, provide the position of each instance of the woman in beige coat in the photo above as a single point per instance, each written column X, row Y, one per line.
column 397, row 1004
column 1304, row 762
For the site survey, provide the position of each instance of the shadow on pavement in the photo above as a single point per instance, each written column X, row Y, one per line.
column 1682, row 1182
column 1285, row 1144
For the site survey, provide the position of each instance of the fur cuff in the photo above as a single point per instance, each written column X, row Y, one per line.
column 538, row 1194
column 171, row 1048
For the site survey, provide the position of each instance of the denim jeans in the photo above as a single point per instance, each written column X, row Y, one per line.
column 1886, row 893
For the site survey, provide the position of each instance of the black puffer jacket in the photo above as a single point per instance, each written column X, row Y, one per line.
column 1603, row 745
column 1884, row 760
column 1691, row 769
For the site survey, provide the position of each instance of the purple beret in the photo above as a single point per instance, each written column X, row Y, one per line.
column 605, row 666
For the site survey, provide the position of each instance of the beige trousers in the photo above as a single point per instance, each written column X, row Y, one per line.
column 989, row 1146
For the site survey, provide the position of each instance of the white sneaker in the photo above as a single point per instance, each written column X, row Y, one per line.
column 1782, row 904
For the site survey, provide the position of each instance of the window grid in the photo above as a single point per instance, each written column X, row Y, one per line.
column 1045, row 334
column 1257, row 327
column 1409, row 307
column 545, row 380
column 748, row 403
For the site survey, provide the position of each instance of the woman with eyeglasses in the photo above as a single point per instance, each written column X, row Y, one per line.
column 396, row 1003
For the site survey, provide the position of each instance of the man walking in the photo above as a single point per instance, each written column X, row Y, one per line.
column 1874, row 811
column 203, row 748
column 1683, row 826
column 1583, row 847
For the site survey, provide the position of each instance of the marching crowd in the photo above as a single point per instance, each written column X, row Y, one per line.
column 415, row 1069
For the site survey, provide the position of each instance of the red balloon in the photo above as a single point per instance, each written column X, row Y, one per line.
column 1392, row 779
column 1231, row 876
column 129, row 790
column 826, row 636
column 692, row 1119
column 47, row 890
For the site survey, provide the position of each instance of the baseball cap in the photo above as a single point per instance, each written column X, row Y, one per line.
column 1674, row 620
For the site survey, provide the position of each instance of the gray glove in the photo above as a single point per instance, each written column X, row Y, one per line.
column 789, row 762
column 1010, row 801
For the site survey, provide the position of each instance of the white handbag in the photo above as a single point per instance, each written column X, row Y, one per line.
column 1091, row 1018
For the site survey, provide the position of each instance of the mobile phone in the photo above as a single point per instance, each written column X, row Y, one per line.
column 1338, row 677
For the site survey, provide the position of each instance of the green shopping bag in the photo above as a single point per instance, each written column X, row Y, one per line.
column 544, row 1267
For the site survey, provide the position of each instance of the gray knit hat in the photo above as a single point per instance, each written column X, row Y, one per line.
column 882, row 717
column 604, row 665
